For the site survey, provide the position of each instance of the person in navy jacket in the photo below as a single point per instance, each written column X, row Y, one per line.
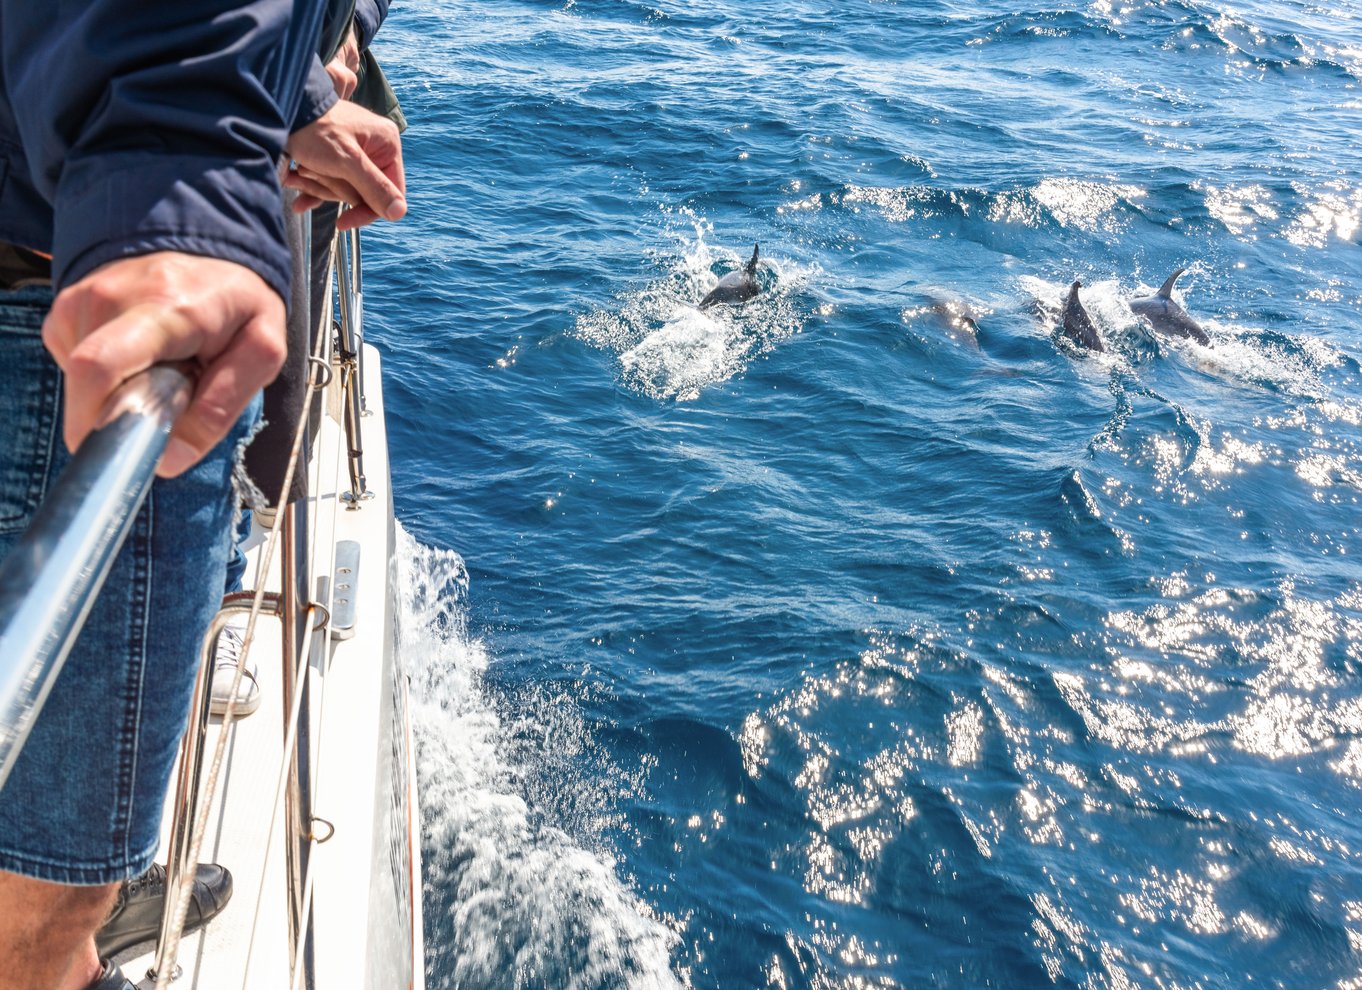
column 140, row 222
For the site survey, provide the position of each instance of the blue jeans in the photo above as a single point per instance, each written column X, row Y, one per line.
column 83, row 802
column 236, row 560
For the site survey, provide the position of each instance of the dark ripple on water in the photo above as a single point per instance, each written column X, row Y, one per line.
column 869, row 634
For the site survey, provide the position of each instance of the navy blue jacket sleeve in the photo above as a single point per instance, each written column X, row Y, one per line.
column 320, row 92
column 319, row 95
column 369, row 15
column 157, row 126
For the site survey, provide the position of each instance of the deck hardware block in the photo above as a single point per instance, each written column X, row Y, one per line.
column 345, row 590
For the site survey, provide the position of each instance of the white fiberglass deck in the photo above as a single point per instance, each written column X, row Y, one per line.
column 246, row 946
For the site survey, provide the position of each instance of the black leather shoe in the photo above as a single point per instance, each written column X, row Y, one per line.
column 111, row 978
column 136, row 915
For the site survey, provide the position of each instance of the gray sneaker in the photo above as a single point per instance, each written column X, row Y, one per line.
column 226, row 659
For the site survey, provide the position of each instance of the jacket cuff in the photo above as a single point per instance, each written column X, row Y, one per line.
column 369, row 15
column 132, row 204
column 319, row 96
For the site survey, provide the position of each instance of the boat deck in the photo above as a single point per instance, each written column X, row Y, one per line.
column 246, row 946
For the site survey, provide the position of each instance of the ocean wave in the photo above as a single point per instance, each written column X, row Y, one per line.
column 892, row 659
column 1051, row 204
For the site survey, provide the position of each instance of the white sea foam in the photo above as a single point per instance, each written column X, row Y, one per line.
column 669, row 349
column 512, row 900
column 690, row 351
column 1242, row 353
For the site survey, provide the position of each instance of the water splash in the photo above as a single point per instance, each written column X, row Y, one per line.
column 1106, row 303
column 511, row 899
column 669, row 349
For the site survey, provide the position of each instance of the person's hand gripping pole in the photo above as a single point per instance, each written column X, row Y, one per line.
column 130, row 314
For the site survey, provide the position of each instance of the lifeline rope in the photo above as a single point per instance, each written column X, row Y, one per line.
column 164, row 976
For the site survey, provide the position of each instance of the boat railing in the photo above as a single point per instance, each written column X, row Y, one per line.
column 50, row 579
column 350, row 351
column 302, row 621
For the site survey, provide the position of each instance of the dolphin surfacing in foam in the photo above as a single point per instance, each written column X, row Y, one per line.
column 1078, row 325
column 1166, row 316
column 735, row 287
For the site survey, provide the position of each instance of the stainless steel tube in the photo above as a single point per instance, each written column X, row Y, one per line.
column 54, row 573
column 179, row 862
column 296, row 614
column 350, row 350
column 357, row 278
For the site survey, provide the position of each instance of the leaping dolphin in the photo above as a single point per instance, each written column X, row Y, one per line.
column 1078, row 326
column 1166, row 316
column 735, row 287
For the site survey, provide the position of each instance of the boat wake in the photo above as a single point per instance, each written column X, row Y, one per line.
column 510, row 900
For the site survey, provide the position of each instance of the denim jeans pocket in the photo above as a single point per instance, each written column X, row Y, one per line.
column 30, row 405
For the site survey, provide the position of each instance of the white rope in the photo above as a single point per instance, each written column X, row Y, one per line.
column 295, row 706
column 186, row 883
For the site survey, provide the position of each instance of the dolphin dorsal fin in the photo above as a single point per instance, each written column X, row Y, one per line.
column 1167, row 291
column 751, row 266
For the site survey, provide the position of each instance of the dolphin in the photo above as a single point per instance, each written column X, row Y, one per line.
column 1078, row 326
column 1166, row 316
column 735, row 287
column 957, row 316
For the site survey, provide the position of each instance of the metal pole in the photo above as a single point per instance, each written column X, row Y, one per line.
column 296, row 582
column 351, row 345
column 298, row 790
column 187, row 776
column 51, row 578
column 357, row 276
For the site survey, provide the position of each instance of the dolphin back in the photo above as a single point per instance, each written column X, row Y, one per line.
column 1165, row 314
column 1078, row 326
column 735, row 287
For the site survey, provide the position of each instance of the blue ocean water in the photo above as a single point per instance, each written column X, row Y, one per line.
column 870, row 635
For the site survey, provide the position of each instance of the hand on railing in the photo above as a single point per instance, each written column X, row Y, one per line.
column 349, row 155
column 133, row 313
